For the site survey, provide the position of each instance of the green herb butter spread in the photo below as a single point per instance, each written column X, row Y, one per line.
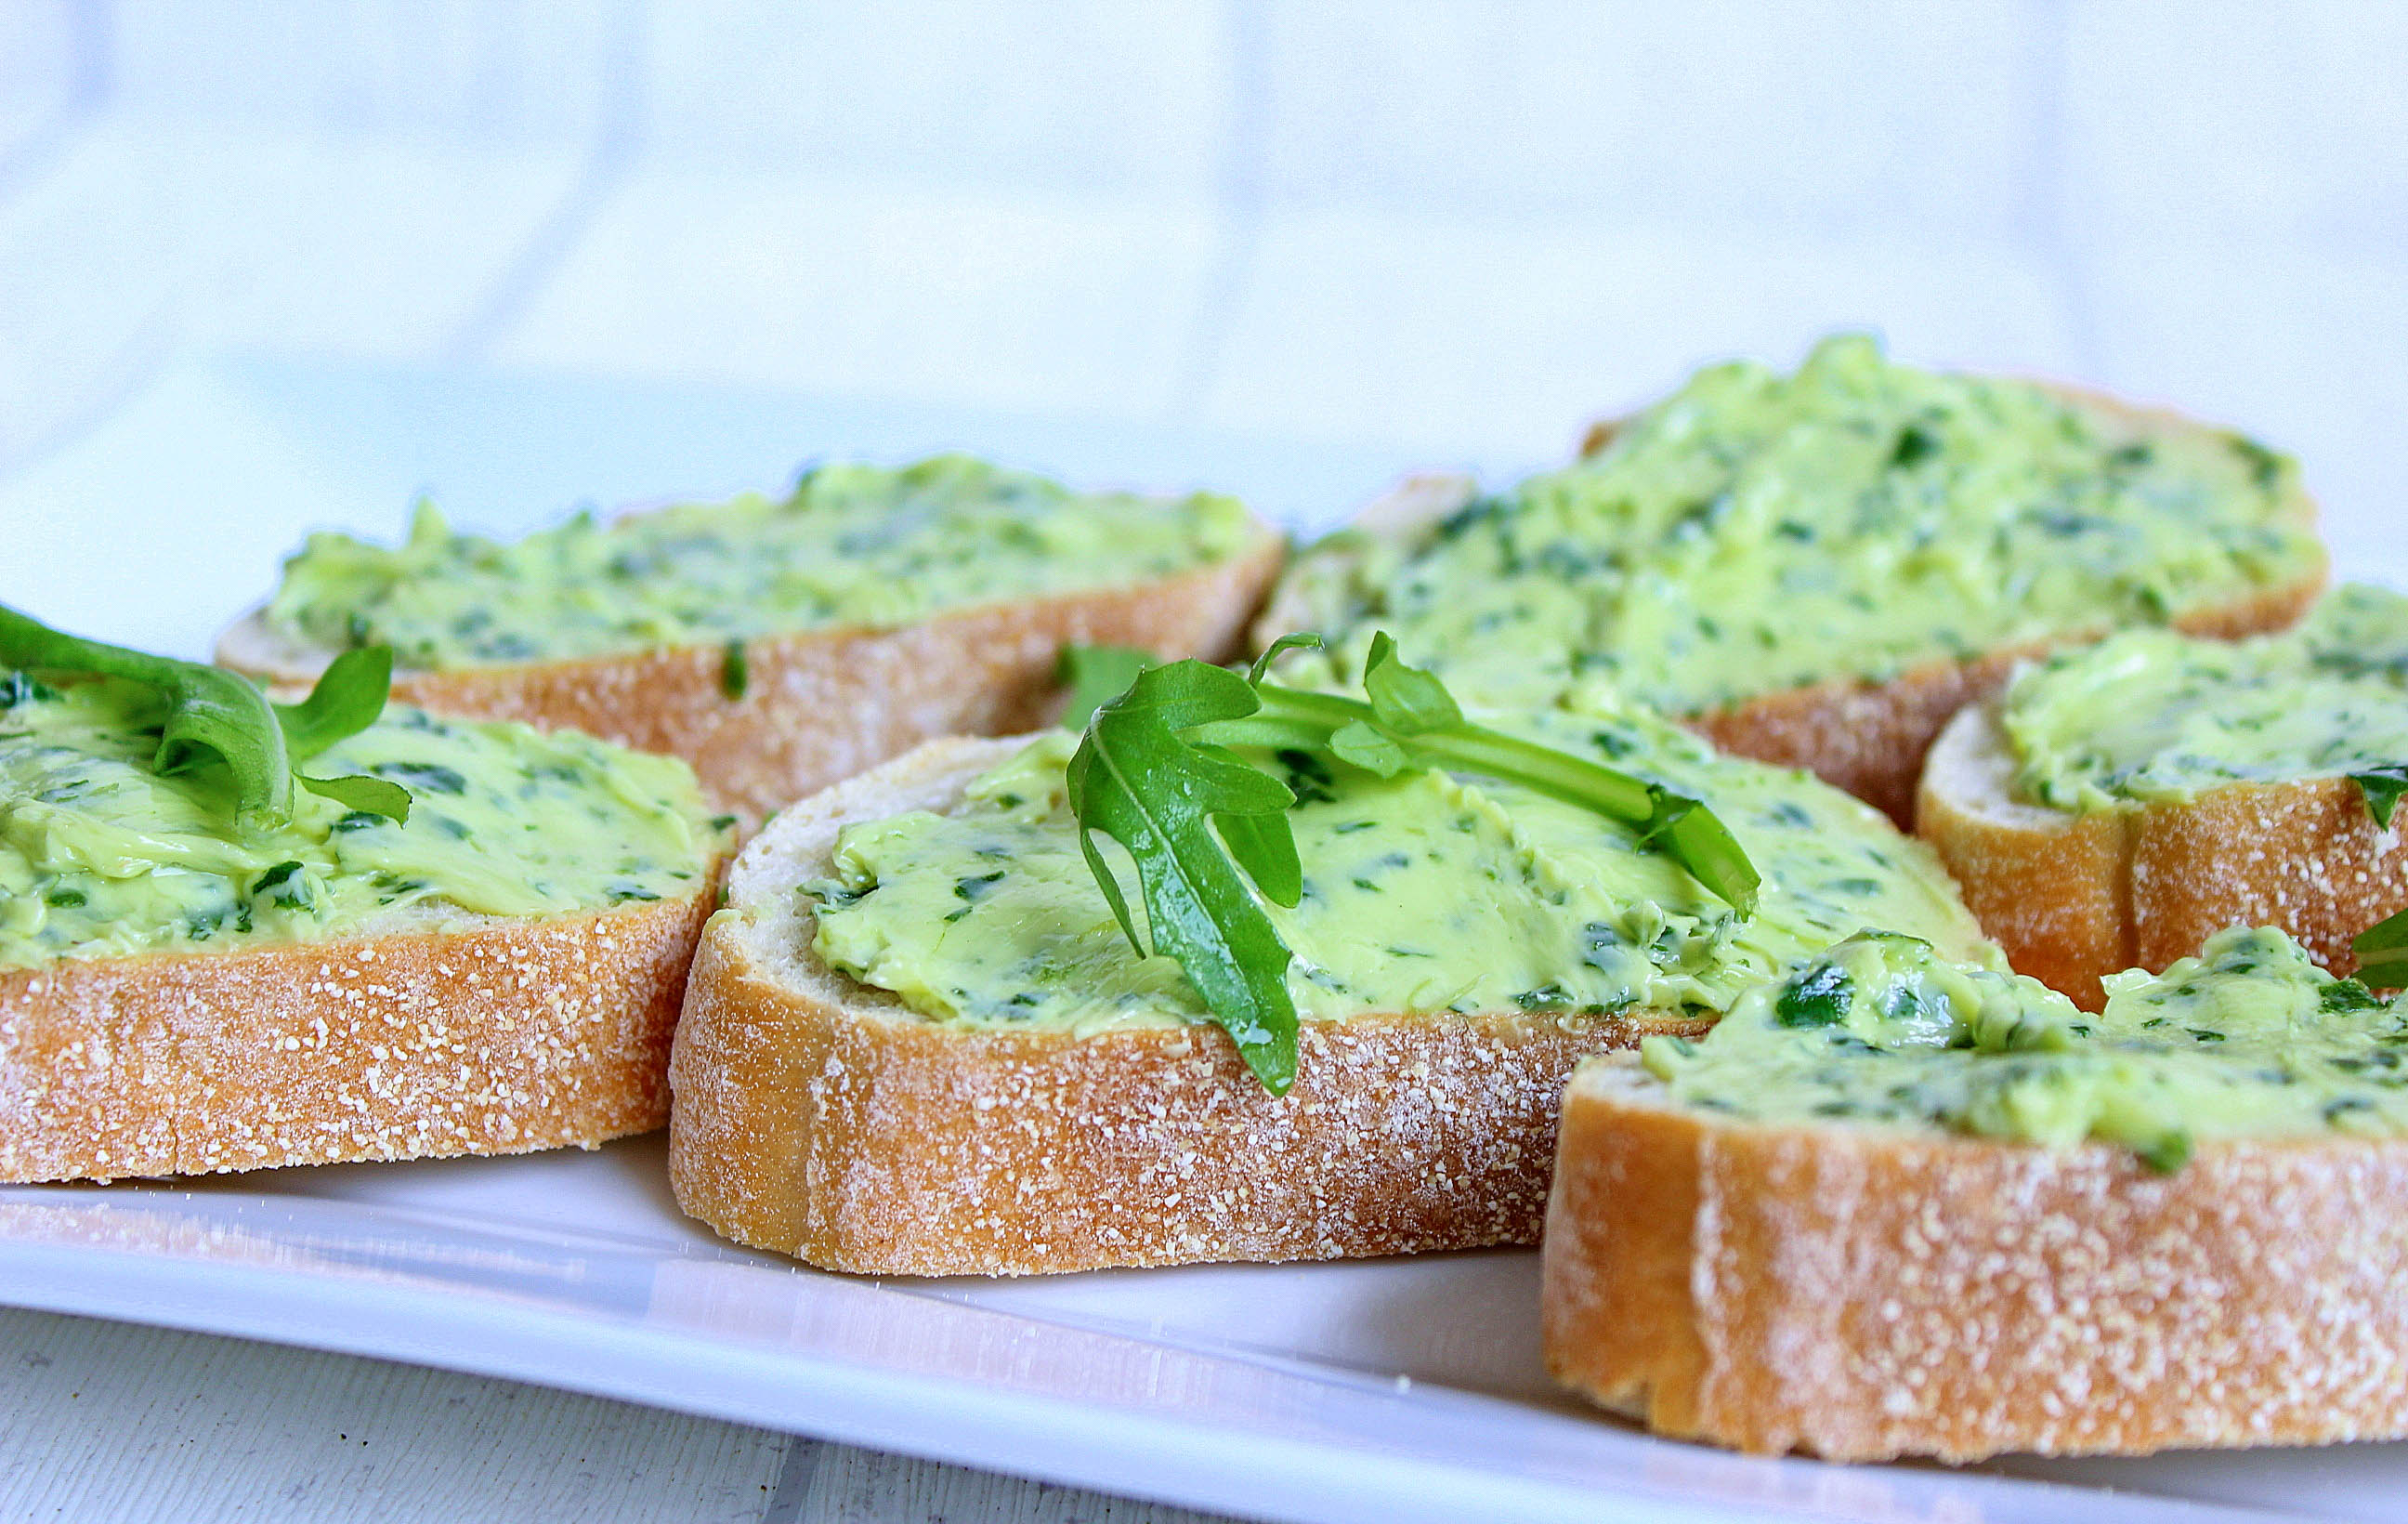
column 1755, row 533
column 1422, row 893
column 100, row 855
column 2248, row 1039
column 2153, row 717
column 854, row 545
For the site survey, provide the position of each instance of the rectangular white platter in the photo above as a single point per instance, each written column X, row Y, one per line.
column 1381, row 1391
column 1391, row 1390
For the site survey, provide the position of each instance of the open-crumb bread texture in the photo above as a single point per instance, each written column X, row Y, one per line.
column 442, row 1034
column 818, row 706
column 1862, row 1294
column 2074, row 897
column 820, row 1117
column 1868, row 737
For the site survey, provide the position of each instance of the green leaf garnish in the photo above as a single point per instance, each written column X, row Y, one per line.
column 1095, row 673
column 1405, row 699
column 1138, row 780
column 2382, row 952
column 2381, row 787
column 215, row 714
column 1209, row 831
column 364, row 794
column 349, row 697
column 1294, row 640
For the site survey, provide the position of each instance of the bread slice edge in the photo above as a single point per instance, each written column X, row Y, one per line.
column 819, row 1117
column 434, row 1033
column 818, row 706
column 1862, row 1293
column 1866, row 737
column 2074, row 895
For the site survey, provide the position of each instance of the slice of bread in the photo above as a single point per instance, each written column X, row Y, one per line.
column 2074, row 897
column 1871, row 737
column 821, row 705
column 819, row 1116
column 437, row 1033
column 1862, row 1293
column 1868, row 737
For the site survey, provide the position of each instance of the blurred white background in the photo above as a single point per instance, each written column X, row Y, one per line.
column 290, row 263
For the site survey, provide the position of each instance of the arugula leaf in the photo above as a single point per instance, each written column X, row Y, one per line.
column 2381, row 787
column 359, row 792
column 1413, row 722
column 349, row 697
column 214, row 712
column 1405, row 699
column 1209, row 832
column 1294, row 640
column 1095, row 673
column 1136, row 779
column 211, row 711
column 2382, row 952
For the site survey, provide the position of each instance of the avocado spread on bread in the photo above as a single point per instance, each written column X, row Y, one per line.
column 1756, row 532
column 1423, row 892
column 2250, row 1037
column 101, row 854
column 2153, row 717
column 851, row 546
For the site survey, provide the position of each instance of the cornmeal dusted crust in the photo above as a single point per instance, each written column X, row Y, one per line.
column 1862, row 1294
column 2074, row 897
column 441, row 1035
column 821, row 705
column 818, row 1116
column 1867, row 738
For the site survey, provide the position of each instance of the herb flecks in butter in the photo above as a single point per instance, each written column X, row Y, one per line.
column 1755, row 532
column 1421, row 893
column 2249, row 1038
column 100, row 855
column 852, row 546
column 2151, row 716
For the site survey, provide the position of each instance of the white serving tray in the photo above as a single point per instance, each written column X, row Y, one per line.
column 1387, row 1392
column 1391, row 1390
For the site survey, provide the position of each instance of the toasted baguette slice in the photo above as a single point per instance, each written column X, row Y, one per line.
column 442, row 1032
column 1867, row 738
column 1871, row 737
column 1861, row 1293
column 821, row 705
column 820, row 1117
column 2075, row 897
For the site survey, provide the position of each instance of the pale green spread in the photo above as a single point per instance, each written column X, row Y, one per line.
column 854, row 545
column 1423, row 892
column 100, row 855
column 2249, row 1038
column 2153, row 717
column 1755, row 533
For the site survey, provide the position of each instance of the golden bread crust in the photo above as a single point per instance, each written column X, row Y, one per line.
column 2074, row 897
column 1862, row 1294
column 1871, row 737
column 821, row 705
column 503, row 1037
column 818, row 1117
